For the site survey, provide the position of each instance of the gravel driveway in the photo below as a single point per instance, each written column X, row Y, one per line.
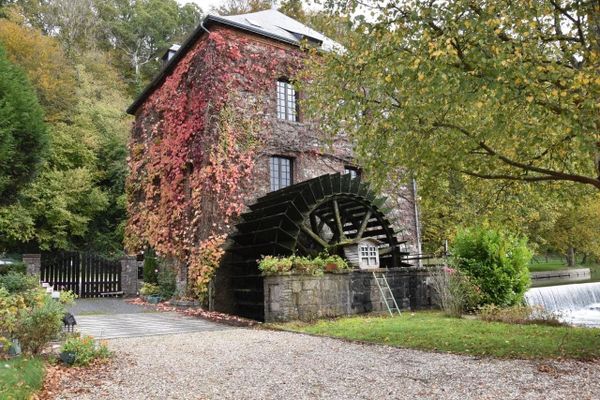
column 259, row 364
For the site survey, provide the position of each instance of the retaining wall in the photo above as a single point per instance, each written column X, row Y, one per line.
column 301, row 297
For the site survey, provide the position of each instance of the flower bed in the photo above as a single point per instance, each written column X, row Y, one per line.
column 271, row 265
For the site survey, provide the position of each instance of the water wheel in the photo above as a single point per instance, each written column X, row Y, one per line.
column 322, row 214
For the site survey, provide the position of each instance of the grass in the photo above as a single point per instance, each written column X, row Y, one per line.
column 20, row 377
column 434, row 331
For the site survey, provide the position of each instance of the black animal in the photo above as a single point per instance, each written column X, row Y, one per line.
column 69, row 322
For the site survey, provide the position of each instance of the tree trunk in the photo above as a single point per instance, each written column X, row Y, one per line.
column 571, row 257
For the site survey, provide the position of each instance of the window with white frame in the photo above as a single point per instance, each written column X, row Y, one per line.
column 287, row 108
column 280, row 169
column 369, row 255
column 353, row 171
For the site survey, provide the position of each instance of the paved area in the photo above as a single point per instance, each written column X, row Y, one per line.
column 258, row 364
column 137, row 325
column 115, row 318
column 109, row 305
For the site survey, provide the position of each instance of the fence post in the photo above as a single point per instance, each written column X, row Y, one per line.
column 33, row 262
column 129, row 276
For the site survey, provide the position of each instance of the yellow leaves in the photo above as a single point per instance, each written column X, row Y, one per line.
column 529, row 99
column 388, row 78
column 421, row 76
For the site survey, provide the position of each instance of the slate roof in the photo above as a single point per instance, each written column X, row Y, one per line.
column 269, row 23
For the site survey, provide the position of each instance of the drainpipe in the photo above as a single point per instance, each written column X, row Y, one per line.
column 417, row 223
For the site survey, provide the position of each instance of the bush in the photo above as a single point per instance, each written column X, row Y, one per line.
column 166, row 282
column 17, row 266
column 519, row 314
column 496, row 262
column 455, row 291
column 150, row 267
column 37, row 326
column 271, row 265
column 85, row 350
column 15, row 282
column 149, row 289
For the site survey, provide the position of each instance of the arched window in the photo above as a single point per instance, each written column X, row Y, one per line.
column 287, row 106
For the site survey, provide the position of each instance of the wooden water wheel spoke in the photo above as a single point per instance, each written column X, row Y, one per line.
column 338, row 221
column 314, row 236
column 363, row 225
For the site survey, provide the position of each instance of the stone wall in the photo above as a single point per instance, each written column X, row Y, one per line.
column 302, row 297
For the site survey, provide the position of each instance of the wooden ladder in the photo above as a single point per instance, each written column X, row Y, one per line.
column 386, row 293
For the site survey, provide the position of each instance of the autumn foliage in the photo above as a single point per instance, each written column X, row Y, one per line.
column 195, row 142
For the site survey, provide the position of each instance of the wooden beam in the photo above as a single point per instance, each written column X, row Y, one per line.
column 338, row 220
column 314, row 236
column 363, row 225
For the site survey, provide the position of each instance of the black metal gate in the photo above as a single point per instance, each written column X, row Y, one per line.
column 85, row 274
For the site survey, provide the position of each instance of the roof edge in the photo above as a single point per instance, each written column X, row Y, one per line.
column 200, row 29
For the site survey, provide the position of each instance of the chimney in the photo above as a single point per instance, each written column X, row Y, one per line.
column 170, row 53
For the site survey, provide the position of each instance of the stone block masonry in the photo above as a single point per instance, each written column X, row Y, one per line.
column 305, row 298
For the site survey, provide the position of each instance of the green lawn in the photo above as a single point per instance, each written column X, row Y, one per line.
column 433, row 331
column 20, row 378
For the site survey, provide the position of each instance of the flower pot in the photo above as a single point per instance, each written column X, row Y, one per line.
column 331, row 267
column 67, row 357
column 154, row 299
column 15, row 348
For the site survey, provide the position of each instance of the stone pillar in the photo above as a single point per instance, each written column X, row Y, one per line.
column 129, row 276
column 33, row 263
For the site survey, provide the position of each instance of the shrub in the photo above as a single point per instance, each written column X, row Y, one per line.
column 17, row 266
column 150, row 267
column 270, row 265
column 15, row 282
column 308, row 266
column 455, row 291
column 37, row 326
column 496, row 262
column 519, row 314
column 10, row 306
column 85, row 350
column 149, row 289
column 335, row 263
column 166, row 282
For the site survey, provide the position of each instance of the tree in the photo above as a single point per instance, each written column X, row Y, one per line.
column 502, row 90
column 140, row 30
column 576, row 229
column 23, row 135
column 45, row 64
column 235, row 7
column 293, row 9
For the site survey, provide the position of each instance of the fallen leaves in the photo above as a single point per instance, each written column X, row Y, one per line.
column 198, row 312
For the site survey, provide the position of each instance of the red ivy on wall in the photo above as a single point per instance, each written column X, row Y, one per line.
column 196, row 138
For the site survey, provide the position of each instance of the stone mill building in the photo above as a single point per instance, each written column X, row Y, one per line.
column 222, row 148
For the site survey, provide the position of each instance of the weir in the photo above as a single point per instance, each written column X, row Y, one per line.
column 577, row 304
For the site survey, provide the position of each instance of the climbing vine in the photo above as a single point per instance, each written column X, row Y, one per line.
column 203, row 265
column 194, row 146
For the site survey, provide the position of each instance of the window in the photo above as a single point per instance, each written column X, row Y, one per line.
column 353, row 171
column 281, row 172
column 286, row 101
column 369, row 255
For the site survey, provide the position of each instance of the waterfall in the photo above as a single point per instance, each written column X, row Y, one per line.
column 578, row 303
column 564, row 297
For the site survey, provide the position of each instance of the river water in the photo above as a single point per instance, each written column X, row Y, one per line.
column 576, row 304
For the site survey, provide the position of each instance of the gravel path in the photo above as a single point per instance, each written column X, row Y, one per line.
column 260, row 364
